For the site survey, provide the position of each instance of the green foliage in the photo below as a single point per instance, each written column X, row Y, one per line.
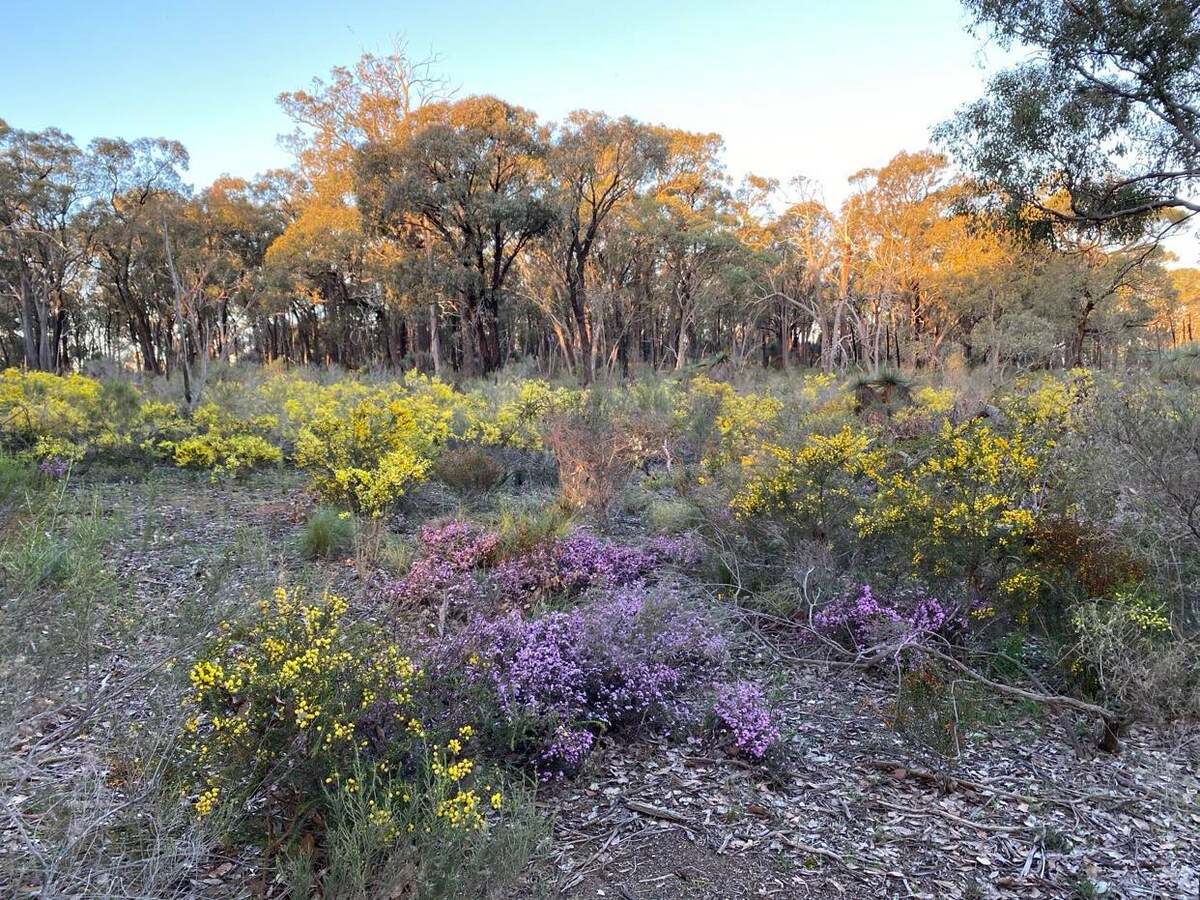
column 1084, row 115
column 328, row 534
column 16, row 478
column 297, row 716
column 524, row 526
column 220, row 454
column 1125, row 654
column 935, row 710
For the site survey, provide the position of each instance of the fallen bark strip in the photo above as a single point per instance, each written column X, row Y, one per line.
column 1060, row 700
column 656, row 812
column 933, row 810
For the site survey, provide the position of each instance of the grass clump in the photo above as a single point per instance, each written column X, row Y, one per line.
column 328, row 534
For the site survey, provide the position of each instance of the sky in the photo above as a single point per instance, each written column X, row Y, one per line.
column 807, row 87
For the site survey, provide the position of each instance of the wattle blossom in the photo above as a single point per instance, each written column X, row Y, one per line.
column 742, row 710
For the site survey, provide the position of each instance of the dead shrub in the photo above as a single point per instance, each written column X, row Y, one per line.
column 595, row 459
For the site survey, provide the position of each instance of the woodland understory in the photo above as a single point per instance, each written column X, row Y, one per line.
column 787, row 636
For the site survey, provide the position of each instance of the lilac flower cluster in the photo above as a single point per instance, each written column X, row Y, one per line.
column 452, row 553
column 742, row 710
column 583, row 560
column 444, row 573
column 54, row 467
column 616, row 664
column 865, row 621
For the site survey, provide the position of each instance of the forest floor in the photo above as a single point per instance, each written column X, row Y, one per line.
column 855, row 809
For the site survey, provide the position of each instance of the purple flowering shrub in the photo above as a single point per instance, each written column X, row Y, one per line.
column 550, row 685
column 860, row 619
column 454, row 554
column 444, row 573
column 741, row 710
column 581, row 560
column 54, row 467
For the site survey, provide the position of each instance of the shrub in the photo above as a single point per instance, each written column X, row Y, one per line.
column 523, row 527
column 861, row 620
column 367, row 456
column 468, row 470
column 582, row 560
column 327, row 534
column 221, row 454
column 592, row 456
column 741, row 710
column 814, row 488
column 444, row 572
column 723, row 423
column 517, row 422
column 1126, row 655
column 965, row 509
column 544, row 688
column 935, row 710
column 293, row 712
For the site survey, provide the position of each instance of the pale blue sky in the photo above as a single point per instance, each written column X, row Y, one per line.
column 819, row 89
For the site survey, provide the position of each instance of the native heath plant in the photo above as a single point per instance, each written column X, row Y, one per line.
column 741, row 710
column 860, row 619
column 543, row 688
column 295, row 708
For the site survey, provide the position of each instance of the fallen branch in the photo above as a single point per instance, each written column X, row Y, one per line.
column 1112, row 721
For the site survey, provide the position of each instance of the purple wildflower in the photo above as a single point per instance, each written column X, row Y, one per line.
column 865, row 620
column 54, row 467
column 619, row 663
column 742, row 710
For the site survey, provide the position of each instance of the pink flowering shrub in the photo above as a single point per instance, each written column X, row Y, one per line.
column 458, row 565
column 621, row 663
column 444, row 574
column 582, row 560
column 741, row 710
column 860, row 619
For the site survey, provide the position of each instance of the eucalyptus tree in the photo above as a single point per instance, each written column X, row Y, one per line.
column 324, row 260
column 1106, row 111
column 135, row 183
column 595, row 164
column 43, row 191
column 468, row 188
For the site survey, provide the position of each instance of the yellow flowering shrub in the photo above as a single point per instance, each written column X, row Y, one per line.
column 1126, row 654
column 40, row 405
column 234, row 454
column 296, row 711
column 218, row 442
column 967, row 501
column 516, row 421
column 813, row 487
column 724, row 422
column 1047, row 402
column 366, row 458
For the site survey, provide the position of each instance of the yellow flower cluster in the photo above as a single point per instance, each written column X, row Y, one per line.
column 297, row 686
column 462, row 810
column 812, row 484
column 207, row 802
column 968, row 496
column 739, row 420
